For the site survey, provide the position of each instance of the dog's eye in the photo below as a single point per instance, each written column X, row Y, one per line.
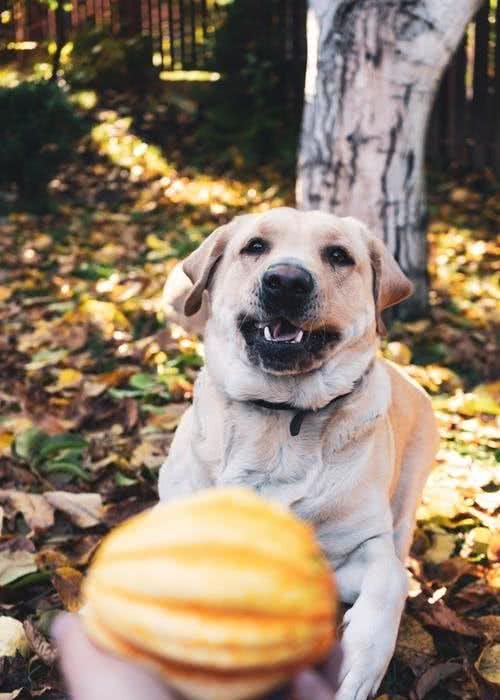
column 256, row 246
column 338, row 256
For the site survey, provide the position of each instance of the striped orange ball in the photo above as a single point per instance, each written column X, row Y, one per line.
column 223, row 593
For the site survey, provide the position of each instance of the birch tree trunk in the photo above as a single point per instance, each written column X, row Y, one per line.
column 372, row 71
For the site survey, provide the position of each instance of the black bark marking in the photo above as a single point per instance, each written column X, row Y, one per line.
column 410, row 164
column 407, row 93
column 355, row 140
column 410, row 22
column 391, row 150
column 334, row 199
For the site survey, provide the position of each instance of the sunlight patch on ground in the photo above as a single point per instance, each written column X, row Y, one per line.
column 199, row 76
column 115, row 140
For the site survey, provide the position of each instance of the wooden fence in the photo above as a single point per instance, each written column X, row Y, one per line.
column 464, row 128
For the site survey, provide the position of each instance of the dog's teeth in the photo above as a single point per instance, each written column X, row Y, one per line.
column 267, row 333
column 298, row 337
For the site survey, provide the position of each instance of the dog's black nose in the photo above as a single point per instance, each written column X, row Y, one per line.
column 284, row 279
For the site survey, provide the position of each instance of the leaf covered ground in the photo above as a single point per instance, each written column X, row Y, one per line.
column 93, row 382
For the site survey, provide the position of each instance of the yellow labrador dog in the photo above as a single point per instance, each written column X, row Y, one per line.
column 294, row 403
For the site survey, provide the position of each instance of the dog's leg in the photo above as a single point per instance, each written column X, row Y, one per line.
column 416, row 465
column 182, row 474
column 370, row 627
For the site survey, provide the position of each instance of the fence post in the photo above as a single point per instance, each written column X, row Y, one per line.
column 480, row 103
column 129, row 17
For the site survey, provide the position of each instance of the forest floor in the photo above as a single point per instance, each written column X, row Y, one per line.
column 93, row 383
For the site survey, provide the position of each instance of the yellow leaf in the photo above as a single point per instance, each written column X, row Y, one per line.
column 443, row 545
column 399, row 353
column 156, row 243
column 147, row 454
column 16, row 423
column 5, row 293
column 98, row 383
column 493, row 551
column 493, row 578
column 6, row 440
column 105, row 315
column 66, row 379
column 67, row 582
column 488, row 663
column 491, row 389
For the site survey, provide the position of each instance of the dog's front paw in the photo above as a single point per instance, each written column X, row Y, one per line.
column 361, row 659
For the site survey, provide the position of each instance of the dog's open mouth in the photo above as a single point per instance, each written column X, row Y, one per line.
column 281, row 345
column 280, row 330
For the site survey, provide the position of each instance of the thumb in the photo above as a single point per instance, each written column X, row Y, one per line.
column 92, row 674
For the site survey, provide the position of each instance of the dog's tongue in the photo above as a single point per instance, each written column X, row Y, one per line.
column 282, row 330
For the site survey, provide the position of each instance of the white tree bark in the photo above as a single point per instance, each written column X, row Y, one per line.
column 372, row 72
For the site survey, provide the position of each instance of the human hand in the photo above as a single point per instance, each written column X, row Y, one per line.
column 93, row 674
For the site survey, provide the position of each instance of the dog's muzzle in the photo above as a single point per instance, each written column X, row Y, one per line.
column 286, row 290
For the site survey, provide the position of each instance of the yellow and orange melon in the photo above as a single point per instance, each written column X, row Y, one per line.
column 223, row 593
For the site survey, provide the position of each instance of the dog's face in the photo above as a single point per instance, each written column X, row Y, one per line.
column 288, row 287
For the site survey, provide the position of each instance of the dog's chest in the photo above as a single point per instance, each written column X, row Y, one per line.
column 309, row 472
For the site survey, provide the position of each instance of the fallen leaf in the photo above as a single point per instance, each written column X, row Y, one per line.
column 12, row 637
column 13, row 695
column 15, row 564
column 432, row 677
column 149, row 454
column 493, row 551
column 39, row 644
column 46, row 358
column 414, row 646
column 398, row 352
column 488, row 664
column 489, row 500
column 65, row 379
column 37, row 512
column 441, row 549
column 83, row 509
column 97, row 384
column 6, row 440
column 80, row 552
column 451, row 570
column 441, row 616
column 490, row 624
column 50, row 559
column 67, row 582
column 5, row 293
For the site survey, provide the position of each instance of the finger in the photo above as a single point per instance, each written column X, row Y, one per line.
column 92, row 674
column 333, row 665
column 310, row 684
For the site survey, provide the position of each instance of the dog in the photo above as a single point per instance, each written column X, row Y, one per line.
column 294, row 402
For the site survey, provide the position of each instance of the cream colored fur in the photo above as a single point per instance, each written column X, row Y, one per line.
column 357, row 471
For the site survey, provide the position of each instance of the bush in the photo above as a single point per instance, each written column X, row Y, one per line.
column 254, row 111
column 39, row 128
column 101, row 60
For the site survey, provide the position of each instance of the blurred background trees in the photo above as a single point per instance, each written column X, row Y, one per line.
column 234, row 72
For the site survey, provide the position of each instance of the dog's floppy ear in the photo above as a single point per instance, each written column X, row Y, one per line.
column 390, row 284
column 200, row 267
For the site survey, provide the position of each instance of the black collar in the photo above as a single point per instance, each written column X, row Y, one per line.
column 301, row 413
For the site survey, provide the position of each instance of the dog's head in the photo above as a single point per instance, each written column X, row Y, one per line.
column 289, row 288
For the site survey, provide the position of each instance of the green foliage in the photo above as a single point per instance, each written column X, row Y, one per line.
column 104, row 61
column 39, row 128
column 52, row 454
column 255, row 103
